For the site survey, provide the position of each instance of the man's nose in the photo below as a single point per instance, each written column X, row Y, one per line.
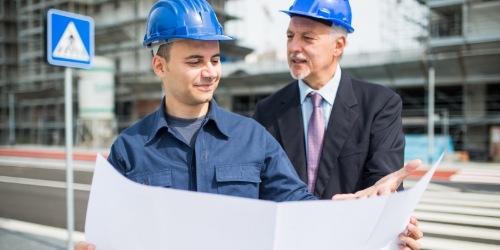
column 209, row 71
column 293, row 45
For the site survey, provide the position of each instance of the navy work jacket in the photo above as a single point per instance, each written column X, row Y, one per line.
column 233, row 155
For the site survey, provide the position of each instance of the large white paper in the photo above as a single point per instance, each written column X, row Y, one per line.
column 122, row 214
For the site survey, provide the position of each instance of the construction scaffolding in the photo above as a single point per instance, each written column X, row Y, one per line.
column 32, row 102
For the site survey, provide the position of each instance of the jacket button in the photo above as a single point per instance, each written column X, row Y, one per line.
column 145, row 182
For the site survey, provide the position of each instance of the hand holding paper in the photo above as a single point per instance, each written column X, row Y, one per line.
column 386, row 185
column 411, row 237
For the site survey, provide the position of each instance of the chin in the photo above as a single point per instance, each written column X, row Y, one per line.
column 299, row 76
column 206, row 99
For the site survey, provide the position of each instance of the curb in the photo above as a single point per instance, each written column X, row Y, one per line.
column 48, row 154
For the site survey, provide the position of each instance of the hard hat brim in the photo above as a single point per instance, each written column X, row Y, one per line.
column 213, row 38
column 194, row 37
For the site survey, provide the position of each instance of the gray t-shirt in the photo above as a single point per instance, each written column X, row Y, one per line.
column 188, row 128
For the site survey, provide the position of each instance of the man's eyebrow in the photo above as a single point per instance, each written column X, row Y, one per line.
column 200, row 56
column 194, row 57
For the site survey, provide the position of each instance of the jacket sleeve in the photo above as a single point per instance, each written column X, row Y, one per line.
column 280, row 182
column 387, row 142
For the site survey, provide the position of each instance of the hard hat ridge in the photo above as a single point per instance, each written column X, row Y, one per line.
column 183, row 19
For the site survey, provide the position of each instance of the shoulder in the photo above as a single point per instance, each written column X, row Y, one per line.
column 130, row 143
column 373, row 92
column 139, row 132
column 267, row 108
column 234, row 121
column 145, row 124
column 367, row 86
column 282, row 95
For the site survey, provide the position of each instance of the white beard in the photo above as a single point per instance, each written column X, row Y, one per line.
column 301, row 76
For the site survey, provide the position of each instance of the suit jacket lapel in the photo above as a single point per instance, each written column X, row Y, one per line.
column 341, row 122
column 291, row 130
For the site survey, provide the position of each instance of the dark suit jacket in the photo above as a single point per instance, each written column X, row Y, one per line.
column 364, row 140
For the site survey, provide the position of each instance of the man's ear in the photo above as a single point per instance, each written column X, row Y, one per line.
column 340, row 43
column 159, row 65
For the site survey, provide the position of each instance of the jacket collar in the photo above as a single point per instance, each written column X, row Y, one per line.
column 214, row 116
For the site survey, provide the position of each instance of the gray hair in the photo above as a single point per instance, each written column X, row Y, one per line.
column 338, row 30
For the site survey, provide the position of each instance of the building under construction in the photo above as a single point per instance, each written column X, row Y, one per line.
column 456, row 56
column 32, row 91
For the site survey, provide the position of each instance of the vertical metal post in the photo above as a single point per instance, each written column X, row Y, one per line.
column 430, row 112
column 68, row 105
column 12, row 119
column 446, row 128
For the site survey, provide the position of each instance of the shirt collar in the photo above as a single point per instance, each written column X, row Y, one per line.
column 214, row 115
column 328, row 92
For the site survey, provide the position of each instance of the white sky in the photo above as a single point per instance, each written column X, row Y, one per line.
column 267, row 32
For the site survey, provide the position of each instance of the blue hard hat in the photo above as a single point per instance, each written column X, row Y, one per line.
column 184, row 19
column 334, row 11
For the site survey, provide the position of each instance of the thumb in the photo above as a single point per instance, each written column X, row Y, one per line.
column 408, row 169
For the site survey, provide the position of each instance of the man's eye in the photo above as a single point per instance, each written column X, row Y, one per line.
column 193, row 62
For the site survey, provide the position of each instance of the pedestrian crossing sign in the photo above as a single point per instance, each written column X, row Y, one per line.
column 70, row 39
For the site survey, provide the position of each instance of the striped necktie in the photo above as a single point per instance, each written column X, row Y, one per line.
column 315, row 134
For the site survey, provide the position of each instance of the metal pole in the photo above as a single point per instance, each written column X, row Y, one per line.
column 12, row 119
column 68, row 105
column 430, row 112
column 446, row 125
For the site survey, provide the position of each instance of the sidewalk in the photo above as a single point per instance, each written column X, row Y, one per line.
column 20, row 235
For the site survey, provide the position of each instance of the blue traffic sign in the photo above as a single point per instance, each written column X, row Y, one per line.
column 70, row 39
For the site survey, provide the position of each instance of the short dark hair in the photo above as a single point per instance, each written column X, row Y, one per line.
column 164, row 51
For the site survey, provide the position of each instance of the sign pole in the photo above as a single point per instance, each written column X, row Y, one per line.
column 68, row 105
column 70, row 43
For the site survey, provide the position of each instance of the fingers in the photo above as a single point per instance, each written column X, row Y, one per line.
column 410, row 243
column 386, row 185
column 381, row 188
column 414, row 221
column 82, row 245
column 409, row 168
column 383, row 191
column 412, row 236
column 414, row 231
column 395, row 179
column 338, row 197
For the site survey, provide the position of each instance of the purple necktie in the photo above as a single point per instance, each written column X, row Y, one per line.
column 315, row 134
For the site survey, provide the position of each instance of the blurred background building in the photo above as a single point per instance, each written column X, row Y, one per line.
column 459, row 39
column 32, row 91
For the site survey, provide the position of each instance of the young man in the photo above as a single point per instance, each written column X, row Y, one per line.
column 359, row 138
column 190, row 143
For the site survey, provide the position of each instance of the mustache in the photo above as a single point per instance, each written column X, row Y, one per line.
column 298, row 56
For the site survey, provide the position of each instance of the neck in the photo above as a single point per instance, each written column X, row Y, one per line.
column 187, row 111
column 318, row 81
